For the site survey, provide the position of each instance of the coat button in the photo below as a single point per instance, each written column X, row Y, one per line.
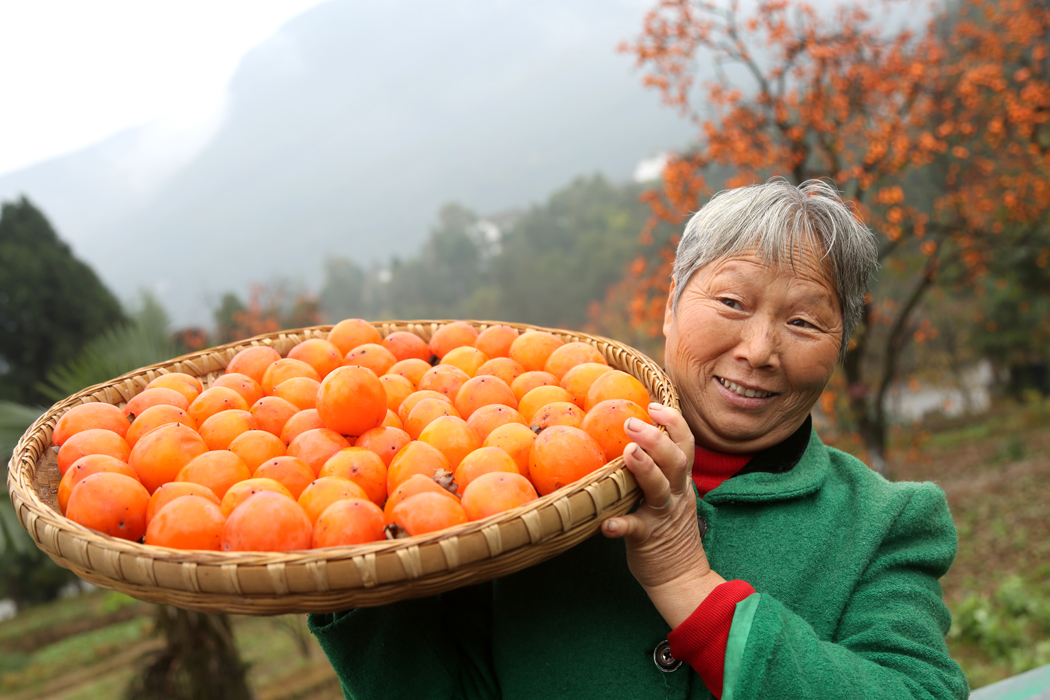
column 663, row 659
column 702, row 524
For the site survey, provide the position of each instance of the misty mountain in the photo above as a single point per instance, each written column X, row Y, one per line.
column 345, row 133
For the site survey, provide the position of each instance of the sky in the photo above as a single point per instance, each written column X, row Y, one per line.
column 77, row 72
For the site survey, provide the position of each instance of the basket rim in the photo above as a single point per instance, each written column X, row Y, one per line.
column 30, row 507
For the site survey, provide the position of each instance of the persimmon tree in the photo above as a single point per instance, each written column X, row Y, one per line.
column 938, row 135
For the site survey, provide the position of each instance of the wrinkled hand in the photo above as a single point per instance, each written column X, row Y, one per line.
column 664, row 551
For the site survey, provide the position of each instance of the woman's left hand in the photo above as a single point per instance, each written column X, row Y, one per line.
column 664, row 551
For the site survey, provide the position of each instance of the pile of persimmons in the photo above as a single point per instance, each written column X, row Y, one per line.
column 347, row 440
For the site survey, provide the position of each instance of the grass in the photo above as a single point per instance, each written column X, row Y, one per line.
column 995, row 470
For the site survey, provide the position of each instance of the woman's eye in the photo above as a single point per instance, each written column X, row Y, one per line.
column 731, row 303
column 801, row 323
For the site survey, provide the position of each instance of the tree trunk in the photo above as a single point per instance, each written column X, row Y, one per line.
column 199, row 662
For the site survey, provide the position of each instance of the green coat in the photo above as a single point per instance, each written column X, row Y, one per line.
column 848, row 605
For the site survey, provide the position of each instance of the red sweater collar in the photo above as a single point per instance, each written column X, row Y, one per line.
column 711, row 468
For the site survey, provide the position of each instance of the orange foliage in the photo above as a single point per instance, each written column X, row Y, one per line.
column 963, row 102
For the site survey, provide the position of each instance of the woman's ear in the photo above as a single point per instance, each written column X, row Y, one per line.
column 669, row 308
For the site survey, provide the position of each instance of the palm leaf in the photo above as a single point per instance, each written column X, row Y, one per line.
column 15, row 419
column 122, row 349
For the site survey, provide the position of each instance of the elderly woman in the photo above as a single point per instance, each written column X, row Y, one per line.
column 771, row 565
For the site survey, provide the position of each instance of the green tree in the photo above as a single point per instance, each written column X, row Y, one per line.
column 563, row 255
column 444, row 276
column 51, row 303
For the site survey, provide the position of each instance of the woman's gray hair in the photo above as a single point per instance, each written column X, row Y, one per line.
column 775, row 218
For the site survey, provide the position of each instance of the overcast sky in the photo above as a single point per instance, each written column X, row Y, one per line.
column 75, row 72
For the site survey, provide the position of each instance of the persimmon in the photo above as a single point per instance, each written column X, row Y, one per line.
column 417, row 483
column 467, row 359
column 349, row 333
column 351, row 401
column 85, row 467
column 415, row 397
column 451, row 336
column 186, row 384
column 291, row 472
column 384, row 441
column 424, row 413
column 616, row 385
column 444, row 379
column 272, row 413
column 577, row 381
column 371, row 356
column 176, row 489
column 301, row 392
column 221, row 429
column 392, row 421
column 361, row 466
column 571, row 354
column 267, row 522
column 397, row 389
column 495, row 341
column 483, row 391
column 561, row 455
column 488, row 418
column 249, row 389
column 411, row 369
column 215, row 400
column 155, row 416
column 452, row 436
column 253, row 362
column 531, row 349
column 285, row 369
column 217, row 469
column 94, row 441
column 316, row 446
column 414, row 458
column 428, row 512
column 255, row 447
column 299, row 424
column 322, row 355
column 152, row 397
column 503, row 367
column 111, row 503
column 540, row 397
column 353, row 521
column 496, row 492
column 528, row 381
column 325, row 491
column 241, row 491
column 556, row 413
column 187, row 522
column 160, row 454
column 87, row 416
column 516, row 440
column 405, row 345
column 605, row 423
column 483, row 461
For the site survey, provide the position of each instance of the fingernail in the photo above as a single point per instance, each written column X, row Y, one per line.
column 634, row 424
column 656, row 406
column 612, row 526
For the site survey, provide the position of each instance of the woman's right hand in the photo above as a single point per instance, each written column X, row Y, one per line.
column 664, row 551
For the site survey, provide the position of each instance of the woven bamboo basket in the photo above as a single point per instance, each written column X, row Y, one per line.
column 324, row 580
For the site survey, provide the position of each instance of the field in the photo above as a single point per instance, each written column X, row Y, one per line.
column 995, row 471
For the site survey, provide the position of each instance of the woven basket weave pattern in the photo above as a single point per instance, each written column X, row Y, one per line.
column 266, row 583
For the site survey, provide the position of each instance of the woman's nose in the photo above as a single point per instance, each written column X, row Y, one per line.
column 759, row 345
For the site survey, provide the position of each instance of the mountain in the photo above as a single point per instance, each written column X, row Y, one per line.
column 346, row 131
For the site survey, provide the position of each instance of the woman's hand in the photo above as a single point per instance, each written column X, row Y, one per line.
column 664, row 551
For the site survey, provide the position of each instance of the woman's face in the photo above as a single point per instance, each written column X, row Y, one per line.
column 751, row 347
